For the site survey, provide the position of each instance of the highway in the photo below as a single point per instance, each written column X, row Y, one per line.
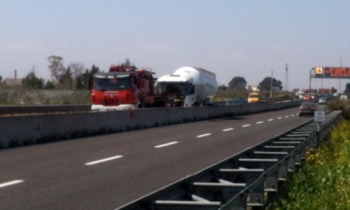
column 106, row 172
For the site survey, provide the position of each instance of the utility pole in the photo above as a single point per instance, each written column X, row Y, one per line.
column 341, row 60
column 286, row 79
column 271, row 84
column 310, row 82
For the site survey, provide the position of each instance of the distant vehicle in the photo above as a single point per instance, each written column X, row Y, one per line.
column 254, row 97
column 343, row 97
column 242, row 100
column 307, row 108
column 188, row 86
column 231, row 102
column 314, row 96
column 322, row 100
column 307, row 97
column 236, row 101
column 301, row 95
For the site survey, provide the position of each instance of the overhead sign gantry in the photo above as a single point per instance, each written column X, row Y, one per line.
column 331, row 72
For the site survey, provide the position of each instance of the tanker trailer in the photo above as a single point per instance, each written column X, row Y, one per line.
column 188, row 86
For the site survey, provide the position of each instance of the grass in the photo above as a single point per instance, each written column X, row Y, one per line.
column 324, row 181
column 22, row 96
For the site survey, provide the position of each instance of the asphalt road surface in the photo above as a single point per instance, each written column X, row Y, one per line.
column 106, row 172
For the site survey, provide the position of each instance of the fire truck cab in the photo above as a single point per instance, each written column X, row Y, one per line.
column 122, row 88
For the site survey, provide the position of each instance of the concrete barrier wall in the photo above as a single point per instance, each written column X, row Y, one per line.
column 26, row 130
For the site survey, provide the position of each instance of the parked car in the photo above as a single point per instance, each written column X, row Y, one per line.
column 307, row 108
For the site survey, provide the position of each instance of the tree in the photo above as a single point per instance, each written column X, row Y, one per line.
column 32, row 81
column 66, row 79
column 0, row 79
column 56, row 67
column 49, row 85
column 85, row 81
column 266, row 84
column 223, row 87
column 347, row 88
column 77, row 69
column 237, row 83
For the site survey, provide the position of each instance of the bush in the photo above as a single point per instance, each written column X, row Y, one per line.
column 342, row 105
column 323, row 182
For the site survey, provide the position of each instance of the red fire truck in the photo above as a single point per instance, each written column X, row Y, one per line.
column 125, row 87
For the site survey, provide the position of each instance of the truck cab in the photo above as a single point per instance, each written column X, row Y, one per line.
column 254, row 97
column 123, row 88
column 188, row 86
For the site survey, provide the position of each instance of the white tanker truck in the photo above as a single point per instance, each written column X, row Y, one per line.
column 188, row 86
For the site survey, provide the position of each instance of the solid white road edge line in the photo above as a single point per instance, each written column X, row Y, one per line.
column 247, row 125
column 227, row 129
column 203, row 135
column 259, row 122
column 10, row 183
column 167, row 144
column 103, row 160
column 270, row 120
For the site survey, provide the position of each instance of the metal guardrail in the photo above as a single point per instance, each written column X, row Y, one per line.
column 43, row 109
column 252, row 178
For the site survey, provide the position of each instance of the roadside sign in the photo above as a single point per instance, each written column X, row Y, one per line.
column 319, row 116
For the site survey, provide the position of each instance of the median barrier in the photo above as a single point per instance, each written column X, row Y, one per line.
column 32, row 129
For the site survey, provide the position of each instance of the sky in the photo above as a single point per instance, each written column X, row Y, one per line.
column 251, row 38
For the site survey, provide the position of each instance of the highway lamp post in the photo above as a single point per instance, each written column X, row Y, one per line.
column 271, row 84
column 310, row 82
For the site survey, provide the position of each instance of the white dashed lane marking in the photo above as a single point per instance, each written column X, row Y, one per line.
column 167, row 144
column 260, row 122
column 227, row 129
column 278, row 118
column 204, row 135
column 270, row 120
column 6, row 184
column 244, row 126
column 103, row 160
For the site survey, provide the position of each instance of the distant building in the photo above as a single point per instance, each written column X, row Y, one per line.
column 13, row 81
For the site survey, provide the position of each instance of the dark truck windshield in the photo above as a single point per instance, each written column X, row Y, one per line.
column 174, row 88
column 112, row 82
